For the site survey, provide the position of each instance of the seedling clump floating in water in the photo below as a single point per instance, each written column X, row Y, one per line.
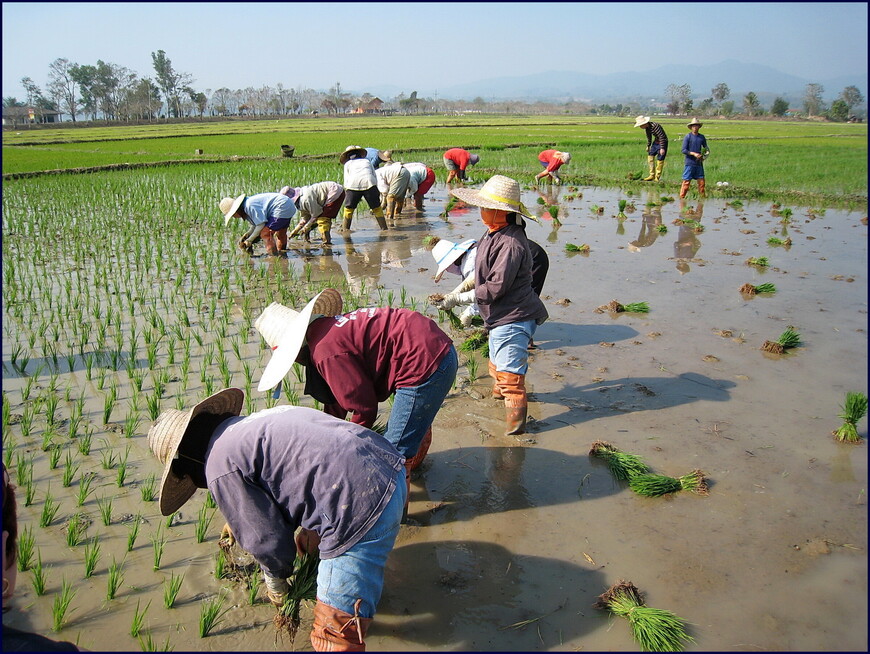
column 854, row 409
column 571, row 247
column 749, row 289
column 762, row 262
column 615, row 307
column 788, row 339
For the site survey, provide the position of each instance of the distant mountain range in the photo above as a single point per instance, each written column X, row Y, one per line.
column 561, row 86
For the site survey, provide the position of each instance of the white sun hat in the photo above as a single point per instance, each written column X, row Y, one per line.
column 640, row 121
column 284, row 330
column 170, row 430
column 229, row 206
column 447, row 252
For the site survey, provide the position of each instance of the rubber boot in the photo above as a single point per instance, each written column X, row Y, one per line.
column 684, row 188
column 660, row 165
column 414, row 462
column 336, row 631
column 268, row 237
column 702, row 188
column 348, row 216
column 418, row 202
column 516, row 402
column 379, row 216
column 391, row 210
column 400, row 206
column 651, row 162
column 496, row 392
column 326, row 235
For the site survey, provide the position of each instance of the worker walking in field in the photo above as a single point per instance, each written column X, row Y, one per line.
column 656, row 147
column 457, row 160
column 317, row 205
column 360, row 182
column 269, row 215
column 422, row 179
column 696, row 151
column 552, row 160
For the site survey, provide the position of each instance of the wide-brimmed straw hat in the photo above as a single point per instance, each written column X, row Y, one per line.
column 229, row 206
column 499, row 192
column 695, row 121
column 640, row 121
column 284, row 330
column 170, row 430
column 349, row 151
column 385, row 155
column 447, row 252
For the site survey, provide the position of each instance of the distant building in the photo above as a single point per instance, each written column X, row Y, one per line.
column 373, row 106
column 26, row 115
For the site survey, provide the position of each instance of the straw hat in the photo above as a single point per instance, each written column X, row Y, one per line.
column 229, row 206
column 499, row 192
column 170, row 430
column 446, row 253
column 695, row 121
column 385, row 155
column 349, row 151
column 640, row 121
column 284, row 330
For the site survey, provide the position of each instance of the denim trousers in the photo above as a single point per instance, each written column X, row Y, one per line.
column 509, row 346
column 359, row 572
column 415, row 407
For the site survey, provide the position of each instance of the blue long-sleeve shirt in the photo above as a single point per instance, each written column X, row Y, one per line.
column 694, row 143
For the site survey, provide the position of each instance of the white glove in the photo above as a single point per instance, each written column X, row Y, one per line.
column 454, row 299
column 466, row 316
column 277, row 589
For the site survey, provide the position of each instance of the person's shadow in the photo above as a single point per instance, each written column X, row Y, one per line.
column 479, row 596
column 554, row 335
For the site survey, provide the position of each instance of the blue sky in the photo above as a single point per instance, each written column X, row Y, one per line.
column 426, row 45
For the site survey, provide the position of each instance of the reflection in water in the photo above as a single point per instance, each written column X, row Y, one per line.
column 363, row 265
column 687, row 244
column 651, row 219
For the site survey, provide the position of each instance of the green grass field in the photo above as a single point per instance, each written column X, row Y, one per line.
column 798, row 162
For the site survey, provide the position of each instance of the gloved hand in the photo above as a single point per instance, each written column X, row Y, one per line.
column 307, row 541
column 455, row 299
column 467, row 315
column 244, row 246
column 277, row 589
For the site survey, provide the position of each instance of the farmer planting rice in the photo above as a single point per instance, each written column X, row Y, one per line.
column 393, row 181
column 552, row 160
column 378, row 157
column 457, row 160
column 355, row 360
column 269, row 215
column 502, row 288
column 316, row 204
column 656, row 147
column 360, row 182
column 289, row 468
column 696, row 150
column 422, row 179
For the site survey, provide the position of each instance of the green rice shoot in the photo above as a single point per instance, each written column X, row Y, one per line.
column 854, row 408
column 637, row 307
column 622, row 465
column 303, row 587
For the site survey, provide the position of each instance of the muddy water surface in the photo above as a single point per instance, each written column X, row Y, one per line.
column 511, row 540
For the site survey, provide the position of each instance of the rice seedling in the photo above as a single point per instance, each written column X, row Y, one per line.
column 29, row 490
column 171, row 519
column 171, row 587
column 303, row 587
column 571, row 247
column 133, row 532
column 622, row 465
column 49, row 509
column 853, row 409
column 158, row 542
column 749, row 289
column 23, row 468
column 202, row 523
column 39, row 573
column 108, row 457
column 109, row 402
column 148, row 490
column 220, row 564
column 451, row 204
column 773, row 240
column 478, row 340
column 26, row 543
column 652, row 485
column 104, row 504
column 84, row 489
column 114, row 579
column 211, row 612
column 785, row 215
column 471, row 364
column 92, row 556
column 60, row 607
column 148, row 645
column 622, row 205
column 27, row 388
column 121, row 476
column 254, row 583
column 553, row 210
column 761, row 262
column 75, row 530
column 655, row 630
column 787, row 340
column 69, row 470
column 138, row 619
column 210, row 501
column 615, row 307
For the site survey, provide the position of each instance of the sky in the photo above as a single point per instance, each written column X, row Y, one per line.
column 425, row 45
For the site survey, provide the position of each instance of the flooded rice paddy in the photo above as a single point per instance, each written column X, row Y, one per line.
column 511, row 540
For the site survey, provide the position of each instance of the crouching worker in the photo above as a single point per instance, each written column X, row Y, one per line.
column 284, row 468
column 269, row 215
column 317, row 204
column 355, row 360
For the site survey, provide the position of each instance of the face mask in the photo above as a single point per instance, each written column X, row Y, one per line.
column 494, row 219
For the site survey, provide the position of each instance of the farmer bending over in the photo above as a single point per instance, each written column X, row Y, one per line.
column 269, row 215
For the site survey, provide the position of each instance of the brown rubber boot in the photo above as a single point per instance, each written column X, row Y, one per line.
column 684, row 188
column 400, row 206
column 496, row 392
column 702, row 188
column 391, row 210
column 336, row 631
column 414, row 462
column 418, row 202
column 281, row 239
column 516, row 402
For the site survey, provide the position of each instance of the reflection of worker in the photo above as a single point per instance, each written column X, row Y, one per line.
column 317, row 204
column 275, row 471
column 651, row 219
column 687, row 244
column 422, row 179
column 360, row 182
column 456, row 160
column 696, row 150
column 393, row 180
column 363, row 267
column 552, row 160
column 656, row 147
column 269, row 215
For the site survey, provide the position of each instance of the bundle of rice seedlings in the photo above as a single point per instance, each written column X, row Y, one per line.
column 854, row 409
column 662, row 229
column 451, row 204
column 623, row 465
column 542, row 201
column 788, row 339
column 303, row 587
column 478, row 341
column 430, row 240
column 636, row 307
column 621, row 213
column 553, row 210
column 652, row 485
column 656, row 630
column 571, row 247
column 749, row 289
column 760, row 261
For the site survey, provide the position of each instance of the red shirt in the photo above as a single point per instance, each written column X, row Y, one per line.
column 365, row 355
column 458, row 156
column 549, row 157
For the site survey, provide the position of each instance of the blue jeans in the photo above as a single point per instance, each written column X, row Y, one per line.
column 658, row 151
column 693, row 171
column 359, row 572
column 509, row 346
column 414, row 407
